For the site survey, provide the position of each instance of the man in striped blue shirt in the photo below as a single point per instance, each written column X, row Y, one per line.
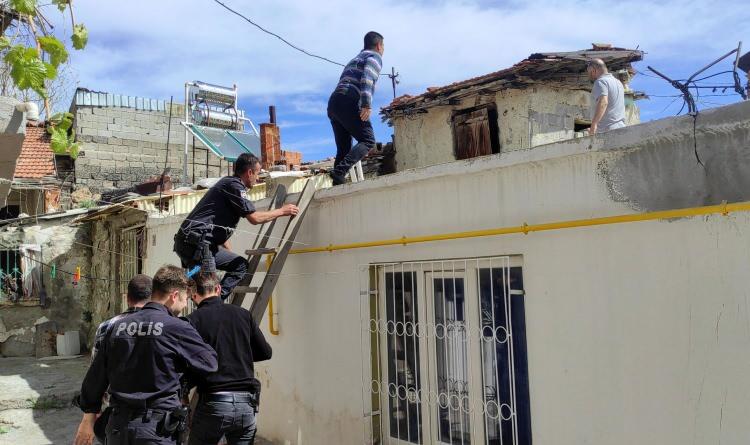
column 350, row 106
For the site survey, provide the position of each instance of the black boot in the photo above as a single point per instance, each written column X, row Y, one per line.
column 337, row 179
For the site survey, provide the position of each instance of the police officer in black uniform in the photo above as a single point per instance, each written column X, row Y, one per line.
column 206, row 230
column 141, row 362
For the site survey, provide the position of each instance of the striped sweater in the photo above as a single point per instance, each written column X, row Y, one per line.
column 360, row 74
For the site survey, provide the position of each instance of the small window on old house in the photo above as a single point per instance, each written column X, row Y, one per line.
column 20, row 274
column 11, row 279
column 10, row 212
column 581, row 125
column 475, row 132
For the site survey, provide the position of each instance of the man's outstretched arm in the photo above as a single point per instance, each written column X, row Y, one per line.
column 260, row 217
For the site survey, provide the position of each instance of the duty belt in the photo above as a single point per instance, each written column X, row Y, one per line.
column 239, row 397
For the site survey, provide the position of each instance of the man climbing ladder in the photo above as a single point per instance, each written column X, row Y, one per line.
column 203, row 238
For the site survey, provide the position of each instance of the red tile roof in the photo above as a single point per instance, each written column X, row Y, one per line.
column 36, row 160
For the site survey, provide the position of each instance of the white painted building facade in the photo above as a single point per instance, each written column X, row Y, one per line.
column 634, row 332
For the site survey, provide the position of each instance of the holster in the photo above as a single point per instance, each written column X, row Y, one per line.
column 195, row 241
column 256, row 390
column 100, row 426
column 174, row 423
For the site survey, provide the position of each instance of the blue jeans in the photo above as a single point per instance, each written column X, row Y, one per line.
column 212, row 420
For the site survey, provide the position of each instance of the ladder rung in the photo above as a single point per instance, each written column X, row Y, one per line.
column 264, row 251
column 245, row 290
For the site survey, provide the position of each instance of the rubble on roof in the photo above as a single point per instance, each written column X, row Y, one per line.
column 561, row 69
column 155, row 184
column 380, row 161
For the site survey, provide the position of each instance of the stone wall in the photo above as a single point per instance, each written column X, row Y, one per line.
column 65, row 304
column 123, row 147
column 106, row 237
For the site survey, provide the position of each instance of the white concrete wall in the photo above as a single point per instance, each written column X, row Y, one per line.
column 637, row 332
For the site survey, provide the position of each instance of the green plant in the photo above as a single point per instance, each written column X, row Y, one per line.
column 87, row 204
column 62, row 139
column 45, row 403
column 33, row 54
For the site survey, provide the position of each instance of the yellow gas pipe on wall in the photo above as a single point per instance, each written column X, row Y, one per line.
column 723, row 209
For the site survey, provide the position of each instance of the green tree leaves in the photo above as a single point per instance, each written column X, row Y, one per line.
column 80, row 36
column 55, row 48
column 62, row 142
column 61, row 4
column 61, row 120
column 30, row 67
column 27, row 69
column 27, row 7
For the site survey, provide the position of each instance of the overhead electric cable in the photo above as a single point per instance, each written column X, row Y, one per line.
column 247, row 19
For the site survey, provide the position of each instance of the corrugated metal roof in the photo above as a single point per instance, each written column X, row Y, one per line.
column 86, row 97
column 181, row 203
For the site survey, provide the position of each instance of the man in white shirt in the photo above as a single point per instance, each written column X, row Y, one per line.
column 607, row 98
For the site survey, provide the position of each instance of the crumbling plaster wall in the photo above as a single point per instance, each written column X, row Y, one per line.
column 125, row 146
column 66, row 246
column 526, row 118
column 106, row 298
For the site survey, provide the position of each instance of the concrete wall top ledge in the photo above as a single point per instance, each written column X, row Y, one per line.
column 651, row 132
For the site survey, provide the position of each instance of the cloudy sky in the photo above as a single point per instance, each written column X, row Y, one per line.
column 150, row 48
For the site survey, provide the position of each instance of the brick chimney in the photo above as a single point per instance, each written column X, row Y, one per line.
column 270, row 145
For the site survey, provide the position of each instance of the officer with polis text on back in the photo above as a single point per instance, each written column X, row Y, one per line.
column 141, row 362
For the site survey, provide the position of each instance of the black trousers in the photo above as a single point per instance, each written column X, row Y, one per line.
column 234, row 266
column 127, row 428
column 343, row 111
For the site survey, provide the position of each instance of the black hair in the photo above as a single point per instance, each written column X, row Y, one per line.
column 372, row 39
column 139, row 288
column 245, row 162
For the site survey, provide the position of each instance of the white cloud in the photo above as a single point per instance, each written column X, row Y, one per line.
column 312, row 106
column 152, row 48
column 288, row 124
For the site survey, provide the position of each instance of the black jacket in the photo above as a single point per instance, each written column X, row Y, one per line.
column 238, row 341
column 219, row 211
column 142, row 359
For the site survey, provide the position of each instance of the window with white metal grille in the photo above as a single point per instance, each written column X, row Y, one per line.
column 444, row 353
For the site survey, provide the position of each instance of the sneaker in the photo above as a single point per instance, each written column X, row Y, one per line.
column 337, row 179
